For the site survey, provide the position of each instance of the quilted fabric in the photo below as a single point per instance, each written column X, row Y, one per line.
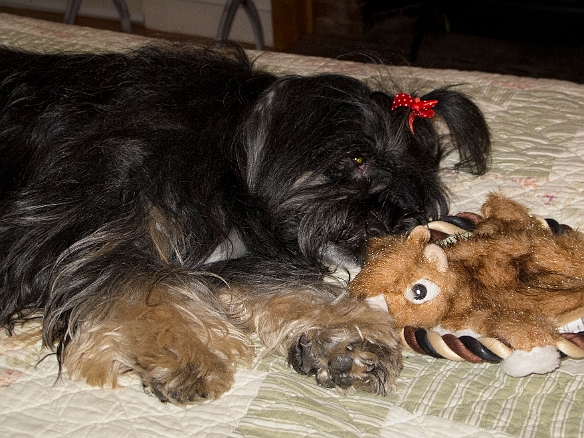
column 538, row 139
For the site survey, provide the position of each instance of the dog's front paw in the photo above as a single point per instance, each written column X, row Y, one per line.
column 345, row 357
column 188, row 383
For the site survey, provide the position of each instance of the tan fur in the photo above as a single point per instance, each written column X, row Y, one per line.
column 184, row 337
column 179, row 344
column 284, row 317
column 176, row 343
column 166, row 236
column 513, row 279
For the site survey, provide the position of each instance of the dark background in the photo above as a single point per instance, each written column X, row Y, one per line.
column 525, row 38
column 536, row 38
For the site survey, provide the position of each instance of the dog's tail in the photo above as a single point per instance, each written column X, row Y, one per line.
column 469, row 133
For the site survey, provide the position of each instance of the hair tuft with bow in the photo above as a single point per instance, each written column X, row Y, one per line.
column 419, row 107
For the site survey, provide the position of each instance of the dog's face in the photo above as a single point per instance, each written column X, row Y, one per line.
column 333, row 166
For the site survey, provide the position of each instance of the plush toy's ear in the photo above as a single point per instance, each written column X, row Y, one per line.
column 419, row 234
column 499, row 206
column 379, row 246
column 436, row 256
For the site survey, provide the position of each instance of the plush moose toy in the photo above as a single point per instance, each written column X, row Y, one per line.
column 505, row 288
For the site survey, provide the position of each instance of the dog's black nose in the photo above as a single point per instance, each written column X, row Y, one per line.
column 376, row 225
column 395, row 221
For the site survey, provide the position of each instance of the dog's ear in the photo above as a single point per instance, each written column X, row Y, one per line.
column 468, row 129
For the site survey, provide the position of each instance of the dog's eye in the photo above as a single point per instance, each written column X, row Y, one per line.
column 422, row 291
column 360, row 166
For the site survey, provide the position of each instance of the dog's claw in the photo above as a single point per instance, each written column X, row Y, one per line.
column 300, row 357
column 344, row 363
column 186, row 385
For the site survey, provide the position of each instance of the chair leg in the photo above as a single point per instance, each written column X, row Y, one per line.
column 256, row 24
column 121, row 5
column 72, row 11
column 124, row 13
column 228, row 16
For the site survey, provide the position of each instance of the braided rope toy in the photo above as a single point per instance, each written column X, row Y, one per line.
column 477, row 350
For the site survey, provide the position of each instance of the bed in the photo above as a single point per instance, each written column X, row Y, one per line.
column 538, row 141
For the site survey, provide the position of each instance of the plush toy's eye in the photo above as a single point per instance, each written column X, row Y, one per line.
column 419, row 291
column 422, row 291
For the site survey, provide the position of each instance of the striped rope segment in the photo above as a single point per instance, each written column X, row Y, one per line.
column 476, row 350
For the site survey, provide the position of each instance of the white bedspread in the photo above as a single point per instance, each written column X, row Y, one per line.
column 538, row 140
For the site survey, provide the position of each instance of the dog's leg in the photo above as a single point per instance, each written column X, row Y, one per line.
column 182, row 349
column 343, row 342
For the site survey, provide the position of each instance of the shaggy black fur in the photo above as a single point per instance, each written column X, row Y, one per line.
column 119, row 166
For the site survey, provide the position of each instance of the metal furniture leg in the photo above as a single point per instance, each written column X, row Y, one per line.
column 228, row 16
column 121, row 5
column 72, row 11
column 124, row 14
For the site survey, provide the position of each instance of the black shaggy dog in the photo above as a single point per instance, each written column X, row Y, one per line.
column 158, row 206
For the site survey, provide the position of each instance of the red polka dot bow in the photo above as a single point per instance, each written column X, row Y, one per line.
column 421, row 108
